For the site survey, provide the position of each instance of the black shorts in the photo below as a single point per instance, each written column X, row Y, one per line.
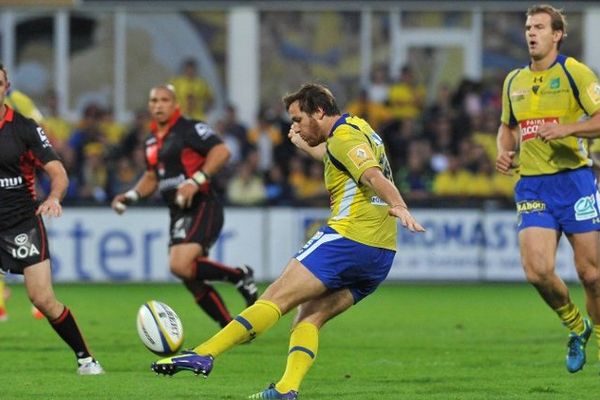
column 201, row 224
column 23, row 244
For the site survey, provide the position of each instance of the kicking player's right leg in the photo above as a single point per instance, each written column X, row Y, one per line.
column 296, row 285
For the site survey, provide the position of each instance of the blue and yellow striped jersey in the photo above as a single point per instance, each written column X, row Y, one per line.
column 566, row 92
column 356, row 211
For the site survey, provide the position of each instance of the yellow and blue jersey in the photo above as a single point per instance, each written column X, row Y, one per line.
column 356, row 211
column 23, row 104
column 566, row 92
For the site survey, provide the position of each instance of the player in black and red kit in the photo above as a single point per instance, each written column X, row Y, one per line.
column 23, row 240
column 181, row 156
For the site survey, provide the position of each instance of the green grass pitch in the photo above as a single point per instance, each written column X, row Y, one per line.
column 407, row 341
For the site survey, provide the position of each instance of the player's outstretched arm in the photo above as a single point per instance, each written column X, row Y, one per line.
column 59, row 182
column 143, row 188
column 385, row 189
column 589, row 128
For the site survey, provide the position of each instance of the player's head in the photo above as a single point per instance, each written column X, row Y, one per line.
column 312, row 97
column 311, row 109
column 162, row 102
column 558, row 22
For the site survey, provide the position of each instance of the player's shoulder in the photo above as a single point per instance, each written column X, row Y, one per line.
column 22, row 121
column 574, row 66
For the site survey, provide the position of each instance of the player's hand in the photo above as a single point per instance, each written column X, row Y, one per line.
column 406, row 219
column 50, row 207
column 296, row 139
column 185, row 193
column 551, row 131
column 119, row 203
column 505, row 162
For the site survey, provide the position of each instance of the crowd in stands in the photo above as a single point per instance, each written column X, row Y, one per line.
column 441, row 149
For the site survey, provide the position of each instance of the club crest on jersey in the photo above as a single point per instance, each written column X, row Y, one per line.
column 593, row 91
column 585, row 208
column 360, row 154
column 555, row 83
column 530, row 127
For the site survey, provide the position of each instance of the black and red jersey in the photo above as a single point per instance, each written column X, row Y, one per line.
column 179, row 154
column 23, row 147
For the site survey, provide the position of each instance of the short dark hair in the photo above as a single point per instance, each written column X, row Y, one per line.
column 3, row 69
column 557, row 18
column 312, row 97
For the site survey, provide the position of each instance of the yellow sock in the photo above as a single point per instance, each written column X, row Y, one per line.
column 304, row 343
column 251, row 322
column 1, row 291
column 571, row 318
column 597, row 333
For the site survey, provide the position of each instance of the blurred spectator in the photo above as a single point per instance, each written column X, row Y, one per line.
column 57, row 128
column 482, row 181
column 235, row 128
column 95, row 173
column 246, row 187
column 313, row 191
column 278, row 190
column 376, row 113
column 86, row 132
column 454, row 181
column 193, row 92
column 112, row 130
column 380, row 86
column 416, row 178
column 406, row 97
column 264, row 137
column 136, row 135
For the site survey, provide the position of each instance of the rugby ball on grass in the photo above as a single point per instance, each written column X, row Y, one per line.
column 159, row 328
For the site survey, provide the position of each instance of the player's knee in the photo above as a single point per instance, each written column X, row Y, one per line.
column 589, row 277
column 44, row 301
column 180, row 270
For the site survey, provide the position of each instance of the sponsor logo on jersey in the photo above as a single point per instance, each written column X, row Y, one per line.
column 376, row 201
column 585, row 208
column 24, row 247
column 178, row 231
column 530, row 127
column 593, row 91
column 11, row 183
column 518, row 95
column 43, row 138
column 170, row 183
column 529, row 206
column 555, row 83
column 360, row 154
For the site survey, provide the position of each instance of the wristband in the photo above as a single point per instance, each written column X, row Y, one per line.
column 131, row 196
column 200, row 177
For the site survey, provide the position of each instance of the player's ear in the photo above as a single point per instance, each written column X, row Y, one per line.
column 7, row 86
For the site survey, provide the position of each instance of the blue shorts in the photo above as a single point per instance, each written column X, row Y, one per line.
column 566, row 201
column 343, row 263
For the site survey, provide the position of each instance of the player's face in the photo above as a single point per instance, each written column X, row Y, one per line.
column 162, row 104
column 305, row 125
column 541, row 39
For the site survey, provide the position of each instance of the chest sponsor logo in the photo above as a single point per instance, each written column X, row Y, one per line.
column 11, row 183
column 518, row 95
column 555, row 83
column 530, row 206
column 585, row 208
column 530, row 127
column 593, row 91
column 24, row 247
column 360, row 154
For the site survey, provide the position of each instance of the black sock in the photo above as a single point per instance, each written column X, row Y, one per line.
column 209, row 270
column 210, row 301
column 67, row 329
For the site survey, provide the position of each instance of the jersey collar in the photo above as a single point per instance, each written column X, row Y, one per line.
column 172, row 120
column 8, row 116
column 340, row 121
